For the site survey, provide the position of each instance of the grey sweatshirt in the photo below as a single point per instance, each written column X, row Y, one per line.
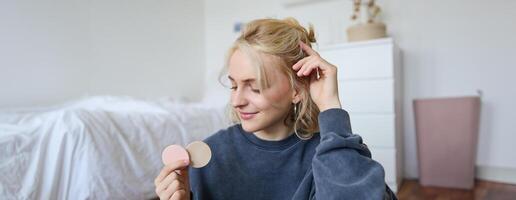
column 334, row 164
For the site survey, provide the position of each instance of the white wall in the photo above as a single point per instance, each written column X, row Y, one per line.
column 449, row 48
column 54, row 51
column 454, row 48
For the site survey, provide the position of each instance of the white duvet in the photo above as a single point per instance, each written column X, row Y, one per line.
column 96, row 148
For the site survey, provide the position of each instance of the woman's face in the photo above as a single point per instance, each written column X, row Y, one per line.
column 259, row 110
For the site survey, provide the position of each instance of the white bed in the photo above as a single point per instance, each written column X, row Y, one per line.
column 96, row 148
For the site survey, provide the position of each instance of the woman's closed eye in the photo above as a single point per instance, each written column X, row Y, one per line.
column 255, row 90
column 234, row 88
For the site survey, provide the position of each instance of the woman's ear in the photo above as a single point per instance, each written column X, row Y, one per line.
column 296, row 96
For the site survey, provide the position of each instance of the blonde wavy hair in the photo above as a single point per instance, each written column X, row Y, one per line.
column 279, row 39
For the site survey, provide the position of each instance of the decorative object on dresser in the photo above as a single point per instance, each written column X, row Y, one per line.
column 370, row 89
column 371, row 29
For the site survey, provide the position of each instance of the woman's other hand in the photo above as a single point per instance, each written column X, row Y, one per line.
column 323, row 78
column 172, row 183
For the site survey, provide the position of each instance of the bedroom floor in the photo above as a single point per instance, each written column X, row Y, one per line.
column 484, row 190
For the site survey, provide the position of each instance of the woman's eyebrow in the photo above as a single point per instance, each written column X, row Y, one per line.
column 249, row 80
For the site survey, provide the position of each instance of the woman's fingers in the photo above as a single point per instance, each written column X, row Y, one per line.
column 176, row 185
column 168, row 169
column 308, row 67
column 172, row 178
column 302, row 66
column 173, row 188
column 166, row 182
column 178, row 195
column 308, row 49
column 169, row 188
column 300, row 63
column 325, row 67
column 166, row 194
column 183, row 175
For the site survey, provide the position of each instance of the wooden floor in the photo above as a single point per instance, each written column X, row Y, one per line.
column 484, row 190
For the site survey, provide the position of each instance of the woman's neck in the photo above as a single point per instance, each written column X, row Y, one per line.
column 274, row 133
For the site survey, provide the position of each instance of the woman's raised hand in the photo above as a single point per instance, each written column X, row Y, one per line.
column 323, row 78
column 172, row 183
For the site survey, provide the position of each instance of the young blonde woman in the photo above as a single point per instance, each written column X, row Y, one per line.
column 291, row 138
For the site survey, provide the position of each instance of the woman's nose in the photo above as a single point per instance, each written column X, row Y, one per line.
column 238, row 98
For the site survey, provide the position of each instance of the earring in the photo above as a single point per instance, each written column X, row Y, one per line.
column 295, row 119
column 295, row 124
column 295, row 111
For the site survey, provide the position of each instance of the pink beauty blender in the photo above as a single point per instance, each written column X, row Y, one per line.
column 174, row 153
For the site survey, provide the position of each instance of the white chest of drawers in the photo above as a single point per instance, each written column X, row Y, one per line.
column 370, row 89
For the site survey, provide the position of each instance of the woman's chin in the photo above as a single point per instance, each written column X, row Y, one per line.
column 249, row 127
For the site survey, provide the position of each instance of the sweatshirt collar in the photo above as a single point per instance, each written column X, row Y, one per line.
column 267, row 144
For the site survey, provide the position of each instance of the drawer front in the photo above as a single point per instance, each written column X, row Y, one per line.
column 371, row 96
column 365, row 62
column 387, row 158
column 377, row 130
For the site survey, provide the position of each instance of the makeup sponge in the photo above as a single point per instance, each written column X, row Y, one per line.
column 174, row 153
column 198, row 153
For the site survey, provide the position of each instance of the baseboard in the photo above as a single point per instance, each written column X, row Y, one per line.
column 497, row 174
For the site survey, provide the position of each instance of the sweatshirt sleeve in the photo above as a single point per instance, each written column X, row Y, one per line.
column 342, row 165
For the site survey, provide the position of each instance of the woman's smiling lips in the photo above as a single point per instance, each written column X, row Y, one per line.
column 247, row 115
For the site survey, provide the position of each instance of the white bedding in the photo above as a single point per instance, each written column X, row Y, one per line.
column 96, row 148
